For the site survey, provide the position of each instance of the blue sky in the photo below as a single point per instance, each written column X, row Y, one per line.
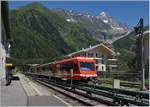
column 128, row 12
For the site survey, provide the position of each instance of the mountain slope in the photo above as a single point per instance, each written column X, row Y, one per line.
column 127, row 46
column 40, row 33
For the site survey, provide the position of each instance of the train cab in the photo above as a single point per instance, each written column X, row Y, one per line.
column 78, row 68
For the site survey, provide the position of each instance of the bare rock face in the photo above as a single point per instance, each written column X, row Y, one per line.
column 98, row 26
column 114, row 24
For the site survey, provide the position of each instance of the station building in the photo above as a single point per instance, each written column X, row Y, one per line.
column 5, row 38
column 105, row 57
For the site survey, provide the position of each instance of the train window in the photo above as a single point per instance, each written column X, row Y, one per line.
column 66, row 67
column 86, row 66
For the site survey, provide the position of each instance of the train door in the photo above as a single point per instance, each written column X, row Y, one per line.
column 53, row 70
column 64, row 72
column 76, row 72
column 58, row 71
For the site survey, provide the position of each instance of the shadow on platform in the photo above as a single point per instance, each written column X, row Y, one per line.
column 15, row 78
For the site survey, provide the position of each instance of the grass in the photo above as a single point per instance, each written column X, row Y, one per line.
column 106, row 85
column 121, row 87
column 108, row 82
column 122, row 81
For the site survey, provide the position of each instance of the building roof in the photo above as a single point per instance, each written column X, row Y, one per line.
column 146, row 36
column 146, row 32
column 93, row 47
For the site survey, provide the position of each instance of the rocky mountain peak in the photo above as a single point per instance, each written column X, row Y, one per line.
column 96, row 25
column 103, row 14
column 113, row 23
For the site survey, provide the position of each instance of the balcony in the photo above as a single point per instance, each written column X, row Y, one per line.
column 114, row 66
column 113, row 59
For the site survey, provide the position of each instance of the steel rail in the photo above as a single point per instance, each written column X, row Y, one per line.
column 123, row 99
column 116, row 94
column 119, row 91
column 117, row 97
column 68, row 95
column 109, row 103
column 115, row 90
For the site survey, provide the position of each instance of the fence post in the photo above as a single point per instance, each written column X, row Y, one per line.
column 116, row 83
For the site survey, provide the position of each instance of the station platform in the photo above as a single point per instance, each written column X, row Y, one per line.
column 13, row 95
column 23, row 92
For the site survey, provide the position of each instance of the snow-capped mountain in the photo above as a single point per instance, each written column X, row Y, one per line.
column 100, row 27
column 114, row 24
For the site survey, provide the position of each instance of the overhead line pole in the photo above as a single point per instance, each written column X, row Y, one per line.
column 139, row 29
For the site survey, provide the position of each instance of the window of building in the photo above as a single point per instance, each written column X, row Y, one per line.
column 102, row 59
column 96, row 54
column 90, row 54
column 102, row 68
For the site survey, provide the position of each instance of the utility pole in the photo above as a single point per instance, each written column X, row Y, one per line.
column 139, row 29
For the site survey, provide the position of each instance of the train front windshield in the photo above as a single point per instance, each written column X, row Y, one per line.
column 87, row 66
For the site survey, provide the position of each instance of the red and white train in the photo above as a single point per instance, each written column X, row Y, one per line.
column 77, row 68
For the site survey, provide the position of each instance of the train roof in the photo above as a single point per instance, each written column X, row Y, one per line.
column 68, row 59
column 74, row 58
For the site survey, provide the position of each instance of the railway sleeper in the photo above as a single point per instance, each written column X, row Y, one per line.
column 122, row 101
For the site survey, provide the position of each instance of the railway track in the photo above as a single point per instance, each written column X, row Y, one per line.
column 136, row 94
column 75, row 95
column 121, row 96
column 93, row 95
column 64, row 92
